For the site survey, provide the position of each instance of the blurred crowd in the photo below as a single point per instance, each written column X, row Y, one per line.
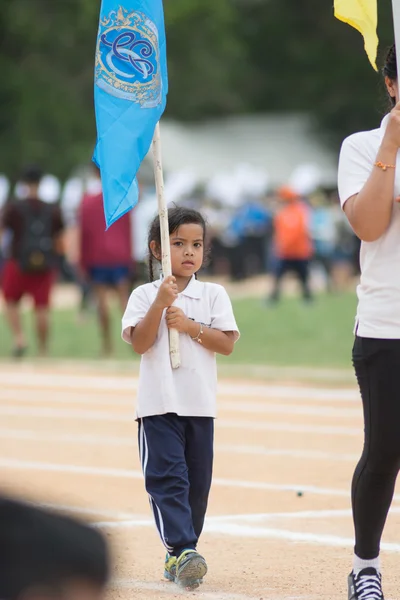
column 252, row 230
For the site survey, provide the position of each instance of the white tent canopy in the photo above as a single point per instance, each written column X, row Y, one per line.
column 273, row 144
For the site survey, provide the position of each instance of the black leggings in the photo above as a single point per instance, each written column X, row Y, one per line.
column 377, row 366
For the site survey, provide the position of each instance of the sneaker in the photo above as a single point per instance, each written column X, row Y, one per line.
column 170, row 568
column 190, row 569
column 366, row 585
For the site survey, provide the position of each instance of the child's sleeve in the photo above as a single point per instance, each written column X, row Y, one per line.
column 222, row 317
column 136, row 310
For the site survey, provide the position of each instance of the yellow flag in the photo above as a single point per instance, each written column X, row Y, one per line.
column 363, row 15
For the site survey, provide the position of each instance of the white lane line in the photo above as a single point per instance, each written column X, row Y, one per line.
column 14, row 396
column 60, row 468
column 93, row 440
column 65, row 413
column 289, row 535
column 288, row 427
column 143, row 521
column 119, row 516
column 109, row 416
column 277, row 487
column 58, row 397
column 289, row 409
column 94, row 512
column 282, row 452
column 304, row 514
column 166, row 588
column 245, row 531
column 68, row 382
column 290, row 392
column 67, row 438
column 14, row 464
column 128, row 384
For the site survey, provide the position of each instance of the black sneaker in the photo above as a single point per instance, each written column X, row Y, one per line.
column 366, row 585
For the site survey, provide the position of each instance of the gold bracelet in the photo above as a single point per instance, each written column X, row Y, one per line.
column 384, row 167
column 198, row 336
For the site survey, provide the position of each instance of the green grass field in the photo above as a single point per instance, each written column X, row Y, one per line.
column 291, row 334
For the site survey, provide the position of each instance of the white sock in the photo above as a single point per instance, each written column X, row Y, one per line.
column 359, row 564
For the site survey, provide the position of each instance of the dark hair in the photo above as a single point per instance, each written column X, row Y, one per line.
column 42, row 549
column 177, row 217
column 31, row 174
column 390, row 69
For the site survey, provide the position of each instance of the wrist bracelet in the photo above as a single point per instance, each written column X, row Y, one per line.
column 382, row 165
column 198, row 336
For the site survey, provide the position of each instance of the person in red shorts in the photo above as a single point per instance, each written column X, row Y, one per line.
column 35, row 228
column 105, row 256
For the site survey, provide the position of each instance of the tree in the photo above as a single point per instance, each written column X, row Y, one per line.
column 225, row 57
column 307, row 60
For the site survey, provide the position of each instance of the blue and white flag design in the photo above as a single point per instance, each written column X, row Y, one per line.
column 131, row 86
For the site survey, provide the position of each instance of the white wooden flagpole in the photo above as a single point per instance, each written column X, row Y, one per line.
column 396, row 24
column 165, row 245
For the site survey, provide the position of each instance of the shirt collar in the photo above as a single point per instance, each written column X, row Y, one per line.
column 192, row 290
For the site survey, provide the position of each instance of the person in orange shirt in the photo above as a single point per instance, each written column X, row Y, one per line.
column 292, row 242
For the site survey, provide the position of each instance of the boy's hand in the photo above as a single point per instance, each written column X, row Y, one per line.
column 176, row 319
column 167, row 293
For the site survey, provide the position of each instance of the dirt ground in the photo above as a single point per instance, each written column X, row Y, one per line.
column 279, row 523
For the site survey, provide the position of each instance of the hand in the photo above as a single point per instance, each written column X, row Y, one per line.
column 176, row 319
column 167, row 293
column 392, row 133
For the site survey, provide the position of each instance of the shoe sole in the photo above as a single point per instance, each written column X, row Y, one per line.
column 168, row 576
column 172, row 579
column 191, row 574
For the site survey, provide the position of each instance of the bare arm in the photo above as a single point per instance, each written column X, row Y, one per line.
column 144, row 334
column 221, row 342
column 369, row 212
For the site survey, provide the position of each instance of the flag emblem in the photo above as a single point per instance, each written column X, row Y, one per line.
column 127, row 58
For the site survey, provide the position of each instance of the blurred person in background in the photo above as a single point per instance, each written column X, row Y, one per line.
column 346, row 255
column 105, row 256
column 292, row 244
column 248, row 232
column 34, row 232
column 70, row 205
column 45, row 555
column 4, row 242
column 323, row 234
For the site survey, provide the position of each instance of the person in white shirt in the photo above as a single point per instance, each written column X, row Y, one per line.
column 369, row 188
column 176, row 408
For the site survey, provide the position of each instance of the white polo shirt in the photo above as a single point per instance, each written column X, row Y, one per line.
column 378, row 313
column 191, row 390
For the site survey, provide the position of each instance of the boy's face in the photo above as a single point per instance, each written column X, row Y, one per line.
column 187, row 250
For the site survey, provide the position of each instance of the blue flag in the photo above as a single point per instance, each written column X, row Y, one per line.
column 131, row 85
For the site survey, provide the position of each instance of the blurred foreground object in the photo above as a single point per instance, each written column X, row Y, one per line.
column 48, row 555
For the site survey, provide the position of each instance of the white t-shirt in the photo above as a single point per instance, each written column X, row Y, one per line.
column 191, row 390
column 378, row 313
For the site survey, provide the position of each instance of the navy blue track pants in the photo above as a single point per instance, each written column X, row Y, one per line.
column 177, row 459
